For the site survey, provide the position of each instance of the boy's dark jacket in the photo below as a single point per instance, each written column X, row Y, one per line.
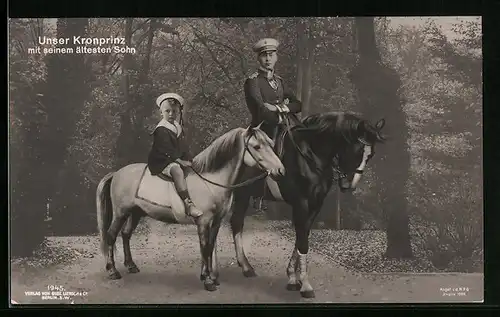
column 167, row 147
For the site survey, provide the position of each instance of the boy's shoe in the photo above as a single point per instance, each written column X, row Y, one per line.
column 191, row 209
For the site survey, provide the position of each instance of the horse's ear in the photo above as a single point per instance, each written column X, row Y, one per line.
column 378, row 127
column 380, row 124
column 382, row 138
column 258, row 127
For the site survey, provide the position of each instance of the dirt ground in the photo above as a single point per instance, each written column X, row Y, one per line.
column 169, row 260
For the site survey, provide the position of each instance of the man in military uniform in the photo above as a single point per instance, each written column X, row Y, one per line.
column 266, row 93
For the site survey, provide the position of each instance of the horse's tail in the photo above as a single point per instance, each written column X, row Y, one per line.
column 104, row 208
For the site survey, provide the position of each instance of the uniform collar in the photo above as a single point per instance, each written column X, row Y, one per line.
column 268, row 73
column 175, row 127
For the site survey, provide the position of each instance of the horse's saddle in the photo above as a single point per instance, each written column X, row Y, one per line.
column 159, row 190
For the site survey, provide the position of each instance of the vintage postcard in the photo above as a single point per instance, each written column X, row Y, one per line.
column 245, row 160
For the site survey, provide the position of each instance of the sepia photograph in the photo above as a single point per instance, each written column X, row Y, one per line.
column 289, row 160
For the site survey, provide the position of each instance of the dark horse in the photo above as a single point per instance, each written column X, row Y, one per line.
column 310, row 153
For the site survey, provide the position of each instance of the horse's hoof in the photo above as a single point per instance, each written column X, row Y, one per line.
column 210, row 287
column 115, row 275
column 250, row 273
column 133, row 269
column 307, row 294
column 293, row 287
column 203, row 277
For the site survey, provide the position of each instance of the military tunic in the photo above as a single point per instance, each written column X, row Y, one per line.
column 169, row 144
column 259, row 90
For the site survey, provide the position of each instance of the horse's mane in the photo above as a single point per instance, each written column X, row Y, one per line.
column 219, row 152
column 344, row 123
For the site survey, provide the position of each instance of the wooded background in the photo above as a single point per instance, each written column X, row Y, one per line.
column 75, row 117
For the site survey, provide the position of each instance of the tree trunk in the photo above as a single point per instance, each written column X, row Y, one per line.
column 338, row 218
column 124, row 143
column 377, row 87
column 67, row 88
column 144, row 101
column 301, row 44
column 350, row 217
column 354, row 38
column 28, row 190
column 71, row 208
column 308, row 63
column 27, row 140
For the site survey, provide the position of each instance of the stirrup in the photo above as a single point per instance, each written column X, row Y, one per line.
column 260, row 205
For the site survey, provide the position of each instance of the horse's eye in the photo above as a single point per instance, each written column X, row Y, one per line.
column 257, row 147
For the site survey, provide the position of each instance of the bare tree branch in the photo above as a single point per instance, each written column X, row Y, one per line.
column 140, row 26
column 212, row 54
column 235, row 52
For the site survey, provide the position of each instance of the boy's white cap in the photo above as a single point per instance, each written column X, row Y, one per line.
column 172, row 95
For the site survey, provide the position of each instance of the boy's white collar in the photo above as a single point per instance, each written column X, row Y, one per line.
column 175, row 127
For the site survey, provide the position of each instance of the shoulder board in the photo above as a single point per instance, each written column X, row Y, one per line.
column 254, row 75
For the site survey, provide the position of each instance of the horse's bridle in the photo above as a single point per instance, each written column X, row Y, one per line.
column 248, row 181
column 247, row 141
column 335, row 165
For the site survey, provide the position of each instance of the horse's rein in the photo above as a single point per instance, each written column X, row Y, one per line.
column 242, row 184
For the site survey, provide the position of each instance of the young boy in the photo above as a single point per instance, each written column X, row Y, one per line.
column 169, row 152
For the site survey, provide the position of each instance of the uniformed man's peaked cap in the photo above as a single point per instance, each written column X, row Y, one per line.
column 266, row 44
column 175, row 96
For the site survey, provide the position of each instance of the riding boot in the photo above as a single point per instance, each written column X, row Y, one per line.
column 191, row 209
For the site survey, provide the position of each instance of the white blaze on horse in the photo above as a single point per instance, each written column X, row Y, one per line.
column 125, row 196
